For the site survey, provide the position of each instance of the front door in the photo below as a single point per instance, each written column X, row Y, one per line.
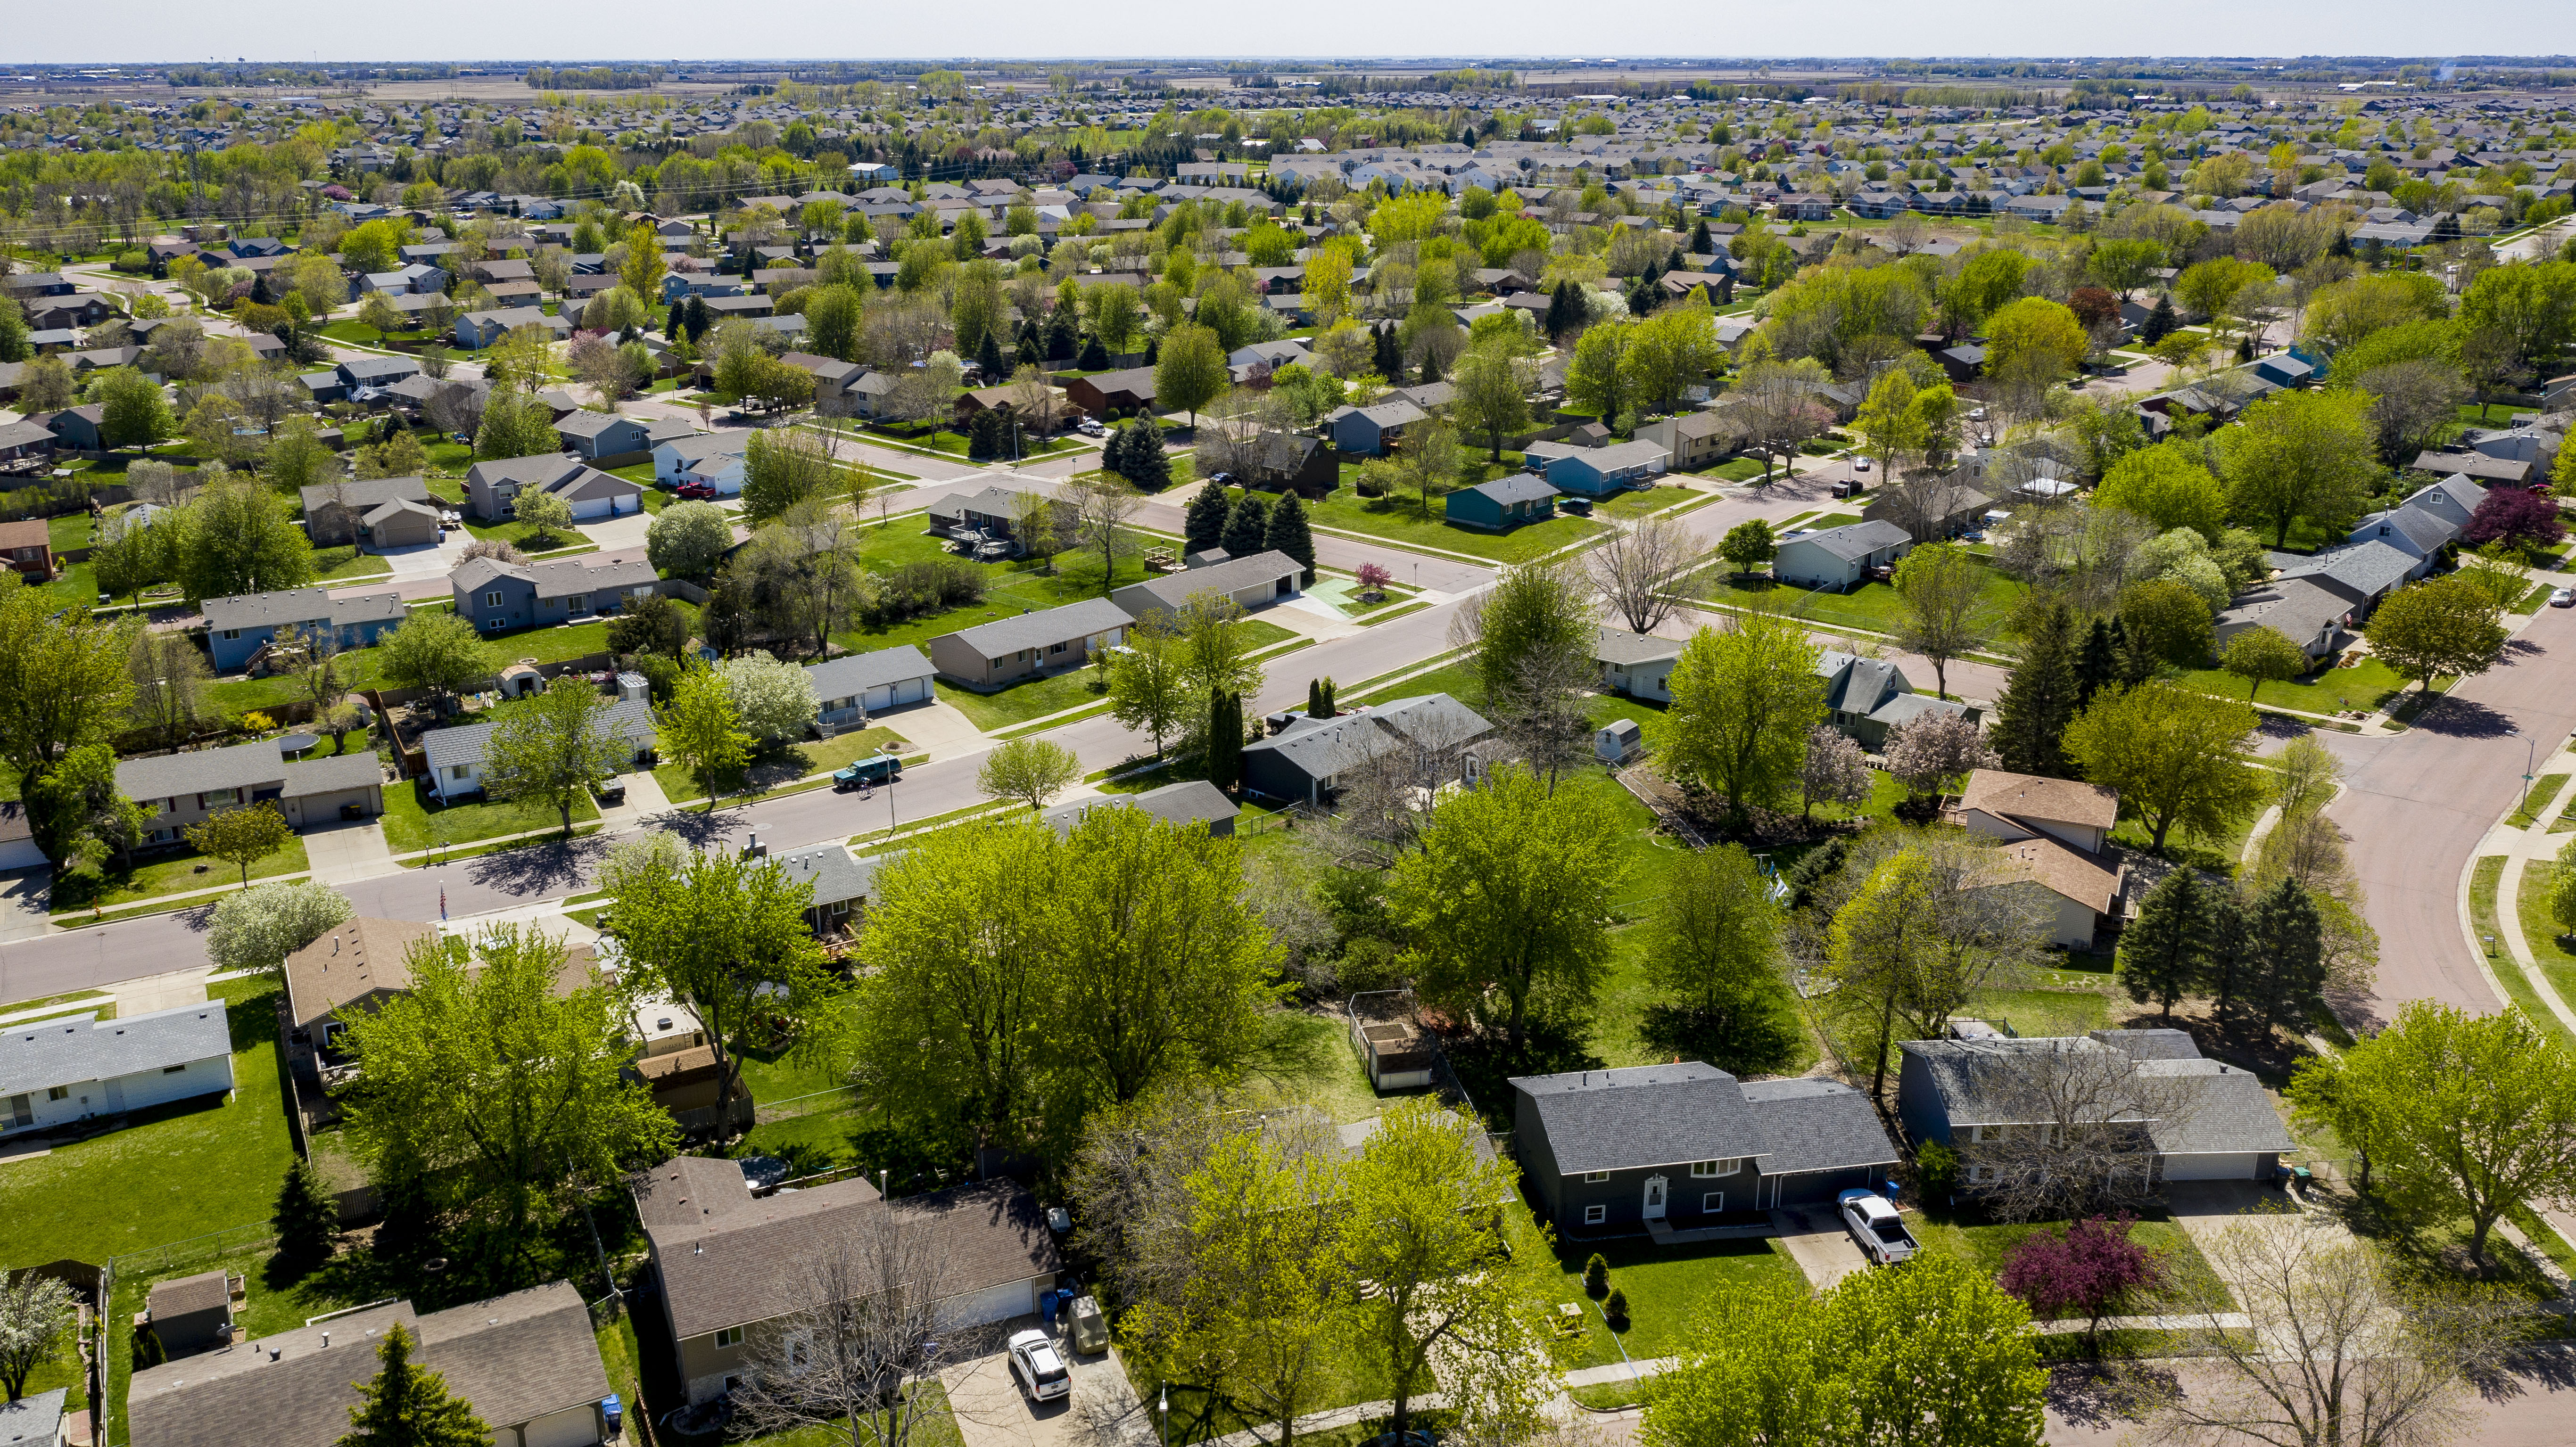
column 1654, row 1198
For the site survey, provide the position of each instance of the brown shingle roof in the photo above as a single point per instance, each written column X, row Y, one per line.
column 360, row 958
column 2087, row 879
column 205, row 1291
column 2027, row 796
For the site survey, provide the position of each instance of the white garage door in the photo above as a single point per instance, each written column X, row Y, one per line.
column 594, row 508
column 2231, row 1166
column 575, row 1427
column 994, row 1303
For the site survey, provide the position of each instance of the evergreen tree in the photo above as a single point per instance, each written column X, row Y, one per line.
column 260, row 292
column 1246, row 525
column 2230, row 960
column 677, row 325
column 1288, row 533
column 1225, row 739
column 2166, row 951
column 1093, row 357
column 2097, row 664
column 1699, row 243
column 2133, row 662
column 2286, row 985
column 1063, row 336
column 1564, row 309
column 405, row 1405
column 2039, row 699
column 701, row 321
column 988, row 360
column 1203, row 526
column 2341, row 245
column 2161, row 323
column 1030, row 354
column 1153, row 350
column 1147, row 467
column 1641, row 297
column 1329, row 709
column 1113, row 453
column 987, row 436
column 1314, row 698
column 307, row 1220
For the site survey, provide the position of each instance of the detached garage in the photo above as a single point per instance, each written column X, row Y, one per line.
column 855, row 688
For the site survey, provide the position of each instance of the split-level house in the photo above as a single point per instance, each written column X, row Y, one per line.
column 2055, row 833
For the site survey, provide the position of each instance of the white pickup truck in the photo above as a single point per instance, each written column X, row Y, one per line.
column 1874, row 1223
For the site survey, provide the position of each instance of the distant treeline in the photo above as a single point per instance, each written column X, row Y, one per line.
column 596, row 77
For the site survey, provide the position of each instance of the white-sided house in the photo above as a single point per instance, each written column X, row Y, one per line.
column 1836, row 559
column 1639, row 665
column 64, row 1071
column 457, row 755
column 2056, row 833
column 1255, row 582
column 713, row 458
column 854, row 687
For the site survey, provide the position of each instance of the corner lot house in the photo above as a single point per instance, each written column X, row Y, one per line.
column 1616, row 1152
column 1506, row 502
column 64, row 1071
column 497, row 596
column 1838, row 558
column 457, row 755
column 527, row 1363
column 492, row 489
column 238, row 627
column 730, row 1261
column 1964, row 1093
column 182, row 789
column 1255, row 582
column 713, row 458
column 1007, row 650
column 2056, row 832
column 1305, row 760
column 1601, row 471
column 340, row 512
column 855, row 686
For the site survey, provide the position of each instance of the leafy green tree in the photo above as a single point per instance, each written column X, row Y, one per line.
column 1190, row 371
column 701, row 730
column 547, row 516
column 509, row 1090
column 688, row 539
column 242, row 836
column 1748, row 545
column 726, row 936
column 2167, row 485
column 2262, row 655
column 2167, row 622
column 782, row 467
column 1534, row 622
column 1743, row 700
column 2464, row 1115
column 306, row 1218
column 554, row 748
column 1491, row 395
column 64, row 687
column 2176, row 757
column 515, row 424
column 2442, row 625
column 1716, row 957
column 1499, row 896
column 2296, row 455
column 2165, row 953
column 2033, row 338
column 133, row 410
column 1596, row 376
column 1028, row 770
column 405, row 1405
column 2039, row 699
column 1149, row 680
column 1941, row 586
column 239, row 537
column 435, row 651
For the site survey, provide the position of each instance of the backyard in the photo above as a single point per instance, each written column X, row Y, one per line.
column 2357, row 681
column 1402, row 520
column 1009, row 588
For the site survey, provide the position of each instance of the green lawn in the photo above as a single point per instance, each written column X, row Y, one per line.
column 1876, row 607
column 519, row 534
column 1401, row 521
column 2367, row 685
column 176, row 1171
column 156, row 875
column 2549, row 943
column 414, row 820
column 1638, row 501
column 1022, row 702
column 347, row 565
column 1986, row 1244
column 2535, row 798
column 71, row 530
column 551, row 645
column 783, row 767
column 1665, row 1286
column 1009, row 588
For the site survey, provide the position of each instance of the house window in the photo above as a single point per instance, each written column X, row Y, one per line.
column 577, row 602
column 729, row 1337
column 1595, row 1215
column 232, row 633
column 459, row 771
column 1596, row 1175
column 492, row 599
column 1713, row 1202
column 58, row 1092
column 172, row 1069
column 1715, row 1168
column 222, row 796
column 1055, row 648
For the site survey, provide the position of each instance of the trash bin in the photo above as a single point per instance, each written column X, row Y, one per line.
column 1090, row 1328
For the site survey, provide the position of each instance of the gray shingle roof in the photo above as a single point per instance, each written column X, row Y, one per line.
column 1855, row 540
column 1005, row 636
column 855, row 673
column 698, row 446
column 1190, row 802
column 1815, row 1125
column 834, row 876
column 2226, row 1110
column 1509, row 490
column 2368, row 568
column 587, row 423
column 465, row 744
column 363, row 493
column 35, row 1420
column 2426, row 529
column 242, row 766
column 514, row 1358
column 1322, row 748
column 1618, row 645
column 1647, row 1115
column 83, row 1047
column 298, row 605
column 1231, row 576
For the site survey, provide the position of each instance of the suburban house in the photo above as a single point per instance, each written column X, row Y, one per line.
column 18, row 847
column 183, row 789
column 527, row 1363
column 351, row 971
column 1284, row 461
column 36, row 1420
column 1601, row 471
column 75, row 428
column 840, row 884
column 1692, row 439
column 1372, row 430
column 1837, row 559
column 1105, row 394
column 1934, row 510
column 1006, row 650
column 477, row 330
column 1653, row 1148
column 21, row 443
column 730, row 1260
column 457, row 755
column 1304, row 759
column 856, row 686
column 73, row 1068
column 2311, row 611
column 1963, row 1093
column 712, row 458
column 2425, row 523
column 2055, row 832
column 238, row 627
column 1194, row 801
column 495, row 596
column 1868, row 698
column 1638, row 665
column 27, row 547
column 1504, row 503
column 387, row 512
column 1255, row 581
column 591, row 435
column 492, row 488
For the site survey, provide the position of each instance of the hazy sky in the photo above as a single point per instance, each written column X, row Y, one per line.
column 171, row 30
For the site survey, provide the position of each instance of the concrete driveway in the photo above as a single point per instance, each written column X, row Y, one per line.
column 992, row 1411
column 24, row 898
column 344, row 853
column 1814, row 1238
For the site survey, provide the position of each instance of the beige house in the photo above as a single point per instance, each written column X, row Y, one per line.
column 1695, row 439
column 2054, row 832
column 730, row 1261
column 185, row 789
column 1007, row 650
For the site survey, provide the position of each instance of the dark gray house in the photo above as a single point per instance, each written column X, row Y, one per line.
column 1674, row 1147
column 1305, row 759
column 497, row 596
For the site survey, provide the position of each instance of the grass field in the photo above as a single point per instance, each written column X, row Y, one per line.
column 1009, row 588
column 158, row 875
column 1401, row 521
column 2367, row 685
column 2548, row 942
column 1877, row 607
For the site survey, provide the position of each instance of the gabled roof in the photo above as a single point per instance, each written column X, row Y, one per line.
column 1190, row 802
column 77, row 1048
column 1234, row 574
column 2028, row 796
column 853, row 674
column 357, row 959
column 1815, row 1125
column 1323, row 748
column 363, row 494
column 586, row 423
column 1036, row 630
column 2429, row 531
column 1518, row 488
column 1618, row 645
column 243, row 766
column 2369, row 568
column 830, row 872
column 1853, row 541
column 465, row 745
column 1648, row 1115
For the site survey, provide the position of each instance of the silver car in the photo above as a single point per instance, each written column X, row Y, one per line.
column 1041, row 1372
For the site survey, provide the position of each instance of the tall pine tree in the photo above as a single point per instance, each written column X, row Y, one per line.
column 1247, row 525
column 2040, row 699
column 1225, row 739
column 2227, row 968
column 2165, row 953
column 307, row 1219
column 2097, row 663
column 2286, row 986
column 1288, row 532
column 1203, row 526
column 408, row 1406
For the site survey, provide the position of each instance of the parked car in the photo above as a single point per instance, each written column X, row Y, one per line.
column 1874, row 1223
column 876, row 770
column 2562, row 597
column 1041, row 1372
column 1860, row 464
column 696, row 491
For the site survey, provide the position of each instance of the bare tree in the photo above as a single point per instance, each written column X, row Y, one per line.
column 169, row 674
column 864, row 1335
column 2066, row 1125
column 456, row 407
column 1539, row 710
column 2341, row 1348
column 1101, row 507
column 1924, row 500
column 1039, row 406
column 1380, row 804
column 1643, row 570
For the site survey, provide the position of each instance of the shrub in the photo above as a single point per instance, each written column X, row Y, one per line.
column 133, row 263
column 1596, row 1275
column 1616, row 1308
column 1937, row 1166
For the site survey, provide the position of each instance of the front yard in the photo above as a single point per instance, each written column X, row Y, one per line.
column 1876, row 607
column 156, row 875
column 784, row 766
column 1403, row 522
column 414, row 820
column 2366, row 684
column 1665, row 1286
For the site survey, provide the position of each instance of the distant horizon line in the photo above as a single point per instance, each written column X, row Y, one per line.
column 1460, row 60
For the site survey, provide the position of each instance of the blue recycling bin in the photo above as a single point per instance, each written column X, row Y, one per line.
column 614, row 1411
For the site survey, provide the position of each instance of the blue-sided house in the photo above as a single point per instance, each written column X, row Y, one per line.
column 1601, row 471
column 1504, row 503
column 237, row 628
column 1624, row 1152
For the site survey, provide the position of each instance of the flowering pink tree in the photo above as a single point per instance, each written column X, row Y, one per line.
column 1374, row 577
column 1836, row 771
column 2089, row 1269
column 1927, row 755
